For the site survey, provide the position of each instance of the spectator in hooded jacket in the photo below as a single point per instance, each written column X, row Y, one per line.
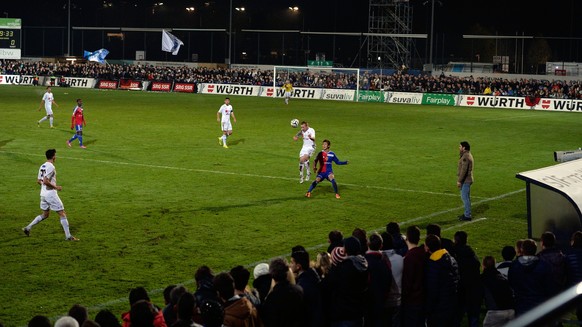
column 555, row 258
column 442, row 280
column 530, row 278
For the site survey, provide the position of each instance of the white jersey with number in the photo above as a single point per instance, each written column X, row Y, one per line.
column 48, row 99
column 225, row 110
column 47, row 170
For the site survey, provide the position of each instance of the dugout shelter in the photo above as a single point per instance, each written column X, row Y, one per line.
column 554, row 198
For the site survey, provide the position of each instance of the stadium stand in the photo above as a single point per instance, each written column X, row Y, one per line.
column 369, row 80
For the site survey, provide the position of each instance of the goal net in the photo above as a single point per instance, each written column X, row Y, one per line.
column 317, row 77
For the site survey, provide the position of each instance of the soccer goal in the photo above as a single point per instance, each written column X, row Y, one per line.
column 317, row 77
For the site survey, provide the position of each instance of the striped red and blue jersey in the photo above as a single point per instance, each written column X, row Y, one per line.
column 325, row 159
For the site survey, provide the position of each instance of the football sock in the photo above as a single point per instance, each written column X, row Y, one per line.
column 65, row 224
column 312, row 186
column 73, row 138
column 42, row 119
column 80, row 140
column 307, row 168
column 224, row 139
column 35, row 221
column 51, row 121
column 334, row 184
column 301, row 169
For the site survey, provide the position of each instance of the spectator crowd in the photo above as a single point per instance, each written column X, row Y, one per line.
column 400, row 81
column 366, row 279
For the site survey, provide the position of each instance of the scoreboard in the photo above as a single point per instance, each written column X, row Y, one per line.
column 10, row 38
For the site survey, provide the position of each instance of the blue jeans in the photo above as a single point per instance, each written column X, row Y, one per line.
column 466, row 197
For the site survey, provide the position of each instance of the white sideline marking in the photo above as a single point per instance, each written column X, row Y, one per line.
column 235, row 174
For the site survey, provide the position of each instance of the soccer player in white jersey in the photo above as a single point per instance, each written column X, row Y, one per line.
column 48, row 99
column 308, row 135
column 223, row 117
column 49, row 198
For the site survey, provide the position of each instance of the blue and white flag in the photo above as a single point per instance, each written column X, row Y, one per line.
column 98, row 56
column 170, row 43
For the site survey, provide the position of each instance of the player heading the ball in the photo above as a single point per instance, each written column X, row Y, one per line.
column 308, row 135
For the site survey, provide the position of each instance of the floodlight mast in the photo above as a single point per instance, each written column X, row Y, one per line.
column 229, row 35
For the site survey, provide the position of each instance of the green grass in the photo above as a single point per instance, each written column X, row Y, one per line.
column 154, row 196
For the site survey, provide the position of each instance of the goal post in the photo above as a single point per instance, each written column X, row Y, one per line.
column 317, row 77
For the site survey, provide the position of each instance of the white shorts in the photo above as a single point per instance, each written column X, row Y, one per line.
column 49, row 111
column 287, row 94
column 226, row 126
column 52, row 202
column 308, row 151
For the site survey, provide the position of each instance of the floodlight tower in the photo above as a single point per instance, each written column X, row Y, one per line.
column 389, row 17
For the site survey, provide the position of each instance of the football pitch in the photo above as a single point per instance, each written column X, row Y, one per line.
column 154, row 196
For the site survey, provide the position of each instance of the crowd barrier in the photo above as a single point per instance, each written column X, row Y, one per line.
column 440, row 99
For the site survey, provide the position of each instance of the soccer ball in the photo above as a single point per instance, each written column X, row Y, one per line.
column 294, row 123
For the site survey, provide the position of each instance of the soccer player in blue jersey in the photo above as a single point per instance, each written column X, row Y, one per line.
column 77, row 123
column 324, row 159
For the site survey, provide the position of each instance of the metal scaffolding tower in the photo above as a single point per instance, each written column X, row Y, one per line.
column 389, row 17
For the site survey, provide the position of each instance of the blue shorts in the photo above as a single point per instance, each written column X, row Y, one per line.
column 325, row 175
column 78, row 128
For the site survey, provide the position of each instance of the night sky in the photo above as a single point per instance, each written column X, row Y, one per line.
column 453, row 18
column 504, row 17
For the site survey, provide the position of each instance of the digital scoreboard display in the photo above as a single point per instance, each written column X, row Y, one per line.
column 10, row 38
